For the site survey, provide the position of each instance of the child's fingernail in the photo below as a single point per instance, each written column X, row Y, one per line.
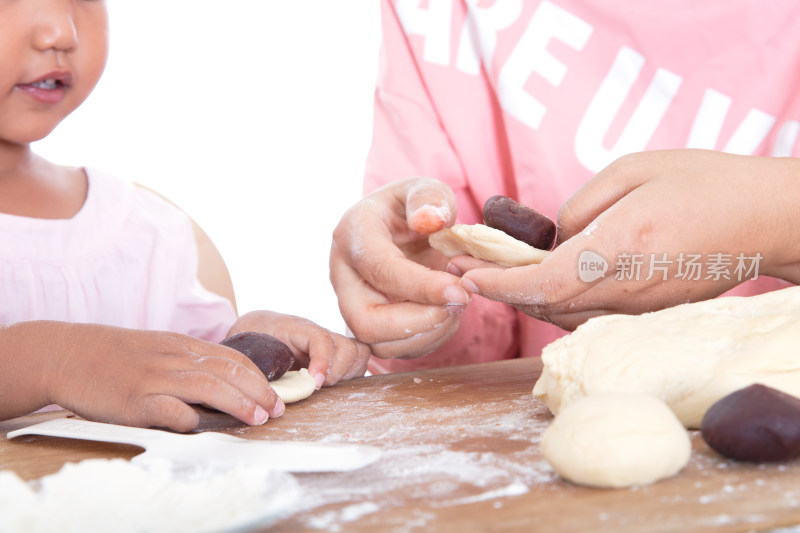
column 319, row 379
column 280, row 407
column 469, row 286
column 455, row 296
column 454, row 270
column 260, row 415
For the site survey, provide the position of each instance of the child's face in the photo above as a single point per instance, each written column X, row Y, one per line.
column 52, row 53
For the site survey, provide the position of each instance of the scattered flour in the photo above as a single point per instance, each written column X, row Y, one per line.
column 331, row 520
column 354, row 512
column 429, row 453
column 515, row 489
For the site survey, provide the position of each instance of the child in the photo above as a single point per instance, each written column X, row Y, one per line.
column 106, row 289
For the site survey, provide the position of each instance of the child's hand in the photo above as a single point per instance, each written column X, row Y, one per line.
column 134, row 377
column 329, row 357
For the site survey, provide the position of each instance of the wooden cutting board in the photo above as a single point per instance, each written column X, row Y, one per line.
column 461, row 454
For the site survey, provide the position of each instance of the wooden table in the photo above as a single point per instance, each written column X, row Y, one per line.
column 461, row 454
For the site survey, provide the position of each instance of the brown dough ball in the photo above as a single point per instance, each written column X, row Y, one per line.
column 519, row 221
column 270, row 355
column 755, row 424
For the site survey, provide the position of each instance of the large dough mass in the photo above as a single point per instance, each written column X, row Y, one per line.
column 689, row 356
column 485, row 243
column 616, row 440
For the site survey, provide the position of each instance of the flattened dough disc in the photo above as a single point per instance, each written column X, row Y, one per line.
column 486, row 243
column 294, row 385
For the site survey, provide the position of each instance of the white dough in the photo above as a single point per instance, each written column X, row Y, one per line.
column 616, row 440
column 294, row 385
column 485, row 243
column 690, row 356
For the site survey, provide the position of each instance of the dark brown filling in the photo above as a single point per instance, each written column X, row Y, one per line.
column 519, row 221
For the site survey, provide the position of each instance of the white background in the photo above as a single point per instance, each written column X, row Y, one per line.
column 254, row 116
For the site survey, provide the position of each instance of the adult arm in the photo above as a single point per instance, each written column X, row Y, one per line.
column 661, row 205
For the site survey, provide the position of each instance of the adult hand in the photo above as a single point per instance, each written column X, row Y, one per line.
column 141, row 378
column 696, row 222
column 393, row 291
column 328, row 356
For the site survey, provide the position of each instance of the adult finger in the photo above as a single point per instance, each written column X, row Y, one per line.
column 373, row 317
column 419, row 344
column 553, row 281
column 399, row 321
column 464, row 263
column 430, row 205
column 601, row 192
column 370, row 234
column 382, row 265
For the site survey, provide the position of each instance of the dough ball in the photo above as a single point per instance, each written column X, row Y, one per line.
column 485, row 243
column 294, row 386
column 616, row 440
column 519, row 221
column 690, row 355
column 757, row 424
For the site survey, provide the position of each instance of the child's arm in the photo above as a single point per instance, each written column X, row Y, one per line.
column 124, row 376
column 329, row 357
